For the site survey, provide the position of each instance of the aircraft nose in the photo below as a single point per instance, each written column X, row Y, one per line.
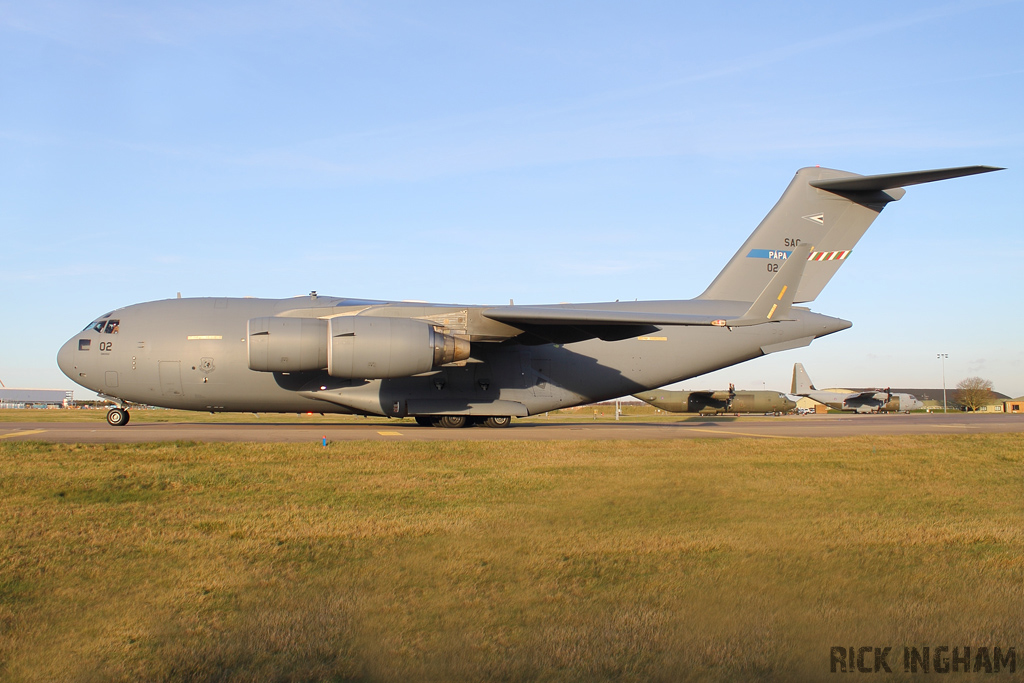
column 66, row 358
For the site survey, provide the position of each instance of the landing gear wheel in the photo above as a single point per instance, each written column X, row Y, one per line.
column 117, row 417
column 425, row 421
column 503, row 421
column 452, row 421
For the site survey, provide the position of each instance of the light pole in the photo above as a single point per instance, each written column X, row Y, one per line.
column 943, row 357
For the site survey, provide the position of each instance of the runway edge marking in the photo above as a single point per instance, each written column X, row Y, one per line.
column 26, row 432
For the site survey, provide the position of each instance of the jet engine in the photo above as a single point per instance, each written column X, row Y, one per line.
column 365, row 347
column 352, row 347
column 287, row 344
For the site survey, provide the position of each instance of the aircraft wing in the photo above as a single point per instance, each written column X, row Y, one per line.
column 562, row 325
column 772, row 305
column 565, row 325
column 868, row 396
column 552, row 315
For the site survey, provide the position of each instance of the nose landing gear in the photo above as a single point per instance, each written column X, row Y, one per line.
column 118, row 417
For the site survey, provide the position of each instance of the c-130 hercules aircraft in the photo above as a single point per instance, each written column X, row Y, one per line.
column 870, row 401
column 711, row 402
column 453, row 365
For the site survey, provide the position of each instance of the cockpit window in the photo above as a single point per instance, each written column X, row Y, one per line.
column 104, row 326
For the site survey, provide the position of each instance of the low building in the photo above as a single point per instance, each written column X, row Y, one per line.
column 805, row 404
column 993, row 405
column 36, row 398
column 1014, row 406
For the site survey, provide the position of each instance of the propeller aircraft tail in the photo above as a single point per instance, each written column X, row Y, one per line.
column 802, row 384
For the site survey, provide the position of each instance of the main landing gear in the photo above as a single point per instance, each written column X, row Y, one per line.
column 118, row 417
column 459, row 421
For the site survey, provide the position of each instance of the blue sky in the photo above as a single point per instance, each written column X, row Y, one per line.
column 477, row 152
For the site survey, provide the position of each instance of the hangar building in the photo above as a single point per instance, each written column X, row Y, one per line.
column 24, row 398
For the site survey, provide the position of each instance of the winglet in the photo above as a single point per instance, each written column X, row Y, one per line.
column 776, row 299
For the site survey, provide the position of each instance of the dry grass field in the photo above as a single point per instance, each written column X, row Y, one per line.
column 549, row 561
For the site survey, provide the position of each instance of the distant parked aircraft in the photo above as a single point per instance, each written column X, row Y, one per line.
column 714, row 402
column 873, row 401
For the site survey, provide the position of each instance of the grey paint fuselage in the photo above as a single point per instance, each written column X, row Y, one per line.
column 861, row 402
column 192, row 354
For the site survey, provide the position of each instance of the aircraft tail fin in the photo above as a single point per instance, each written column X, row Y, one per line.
column 827, row 208
column 801, row 381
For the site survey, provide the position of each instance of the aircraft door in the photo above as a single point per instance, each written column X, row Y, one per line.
column 170, row 378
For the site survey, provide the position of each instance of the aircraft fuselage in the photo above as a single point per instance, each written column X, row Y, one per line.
column 715, row 402
column 194, row 354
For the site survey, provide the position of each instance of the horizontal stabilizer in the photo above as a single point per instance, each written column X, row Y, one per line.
column 888, row 181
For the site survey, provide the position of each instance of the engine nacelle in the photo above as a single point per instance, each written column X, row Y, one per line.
column 368, row 347
column 287, row 344
column 353, row 347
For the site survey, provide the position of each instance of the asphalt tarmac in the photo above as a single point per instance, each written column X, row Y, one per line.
column 685, row 428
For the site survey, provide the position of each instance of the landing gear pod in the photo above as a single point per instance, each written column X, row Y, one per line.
column 367, row 347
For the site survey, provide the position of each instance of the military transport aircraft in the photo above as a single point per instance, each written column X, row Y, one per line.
column 871, row 401
column 452, row 365
column 714, row 402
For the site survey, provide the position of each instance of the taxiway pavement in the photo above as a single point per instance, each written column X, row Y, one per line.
column 684, row 428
